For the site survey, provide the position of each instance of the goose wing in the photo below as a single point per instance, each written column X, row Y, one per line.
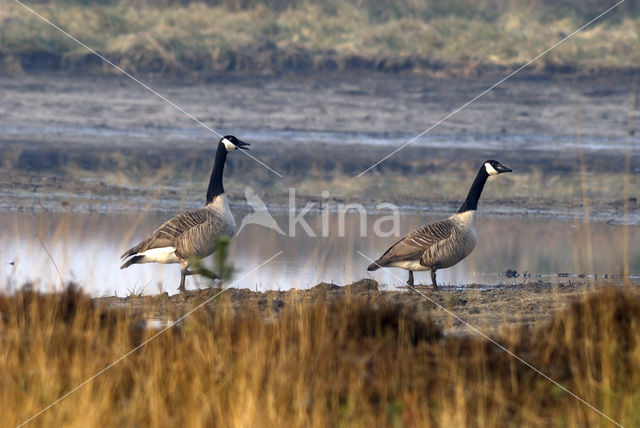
column 200, row 240
column 414, row 245
column 194, row 225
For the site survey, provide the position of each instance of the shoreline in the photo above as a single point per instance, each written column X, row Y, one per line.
column 308, row 64
column 67, row 195
column 492, row 307
column 45, row 202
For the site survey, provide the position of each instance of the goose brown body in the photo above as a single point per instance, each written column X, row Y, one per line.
column 436, row 245
column 443, row 243
column 190, row 234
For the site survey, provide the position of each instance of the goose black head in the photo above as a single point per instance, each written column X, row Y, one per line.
column 231, row 143
column 493, row 167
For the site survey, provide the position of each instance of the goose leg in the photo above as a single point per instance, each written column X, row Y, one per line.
column 184, row 271
column 410, row 280
column 433, row 279
column 183, row 274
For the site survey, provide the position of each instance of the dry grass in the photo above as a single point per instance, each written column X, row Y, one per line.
column 346, row 363
column 204, row 38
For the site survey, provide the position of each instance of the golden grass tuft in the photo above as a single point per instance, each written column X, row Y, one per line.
column 349, row 361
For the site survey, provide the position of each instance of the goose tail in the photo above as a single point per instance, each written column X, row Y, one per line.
column 133, row 260
column 131, row 251
column 373, row 266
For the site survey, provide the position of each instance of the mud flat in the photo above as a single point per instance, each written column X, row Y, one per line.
column 97, row 143
column 488, row 308
column 119, row 111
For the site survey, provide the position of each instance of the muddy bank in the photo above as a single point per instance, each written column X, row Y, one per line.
column 79, row 177
column 35, row 193
column 266, row 58
column 116, row 111
column 98, row 143
column 489, row 308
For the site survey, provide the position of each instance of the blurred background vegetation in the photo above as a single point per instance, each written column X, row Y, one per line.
column 205, row 38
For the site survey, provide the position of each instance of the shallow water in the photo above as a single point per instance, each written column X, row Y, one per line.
column 86, row 249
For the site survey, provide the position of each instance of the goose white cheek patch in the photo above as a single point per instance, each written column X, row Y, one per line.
column 490, row 169
column 228, row 144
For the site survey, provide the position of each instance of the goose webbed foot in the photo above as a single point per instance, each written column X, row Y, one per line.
column 410, row 280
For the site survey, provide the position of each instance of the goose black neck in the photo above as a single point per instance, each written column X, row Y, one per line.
column 471, row 203
column 215, row 183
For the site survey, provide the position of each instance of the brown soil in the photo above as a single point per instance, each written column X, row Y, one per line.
column 489, row 309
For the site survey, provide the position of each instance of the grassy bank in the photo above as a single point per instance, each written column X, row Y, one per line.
column 202, row 39
column 346, row 362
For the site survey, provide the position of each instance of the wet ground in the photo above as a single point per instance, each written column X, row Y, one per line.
column 363, row 108
column 473, row 309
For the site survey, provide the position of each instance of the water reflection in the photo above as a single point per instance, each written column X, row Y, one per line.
column 86, row 248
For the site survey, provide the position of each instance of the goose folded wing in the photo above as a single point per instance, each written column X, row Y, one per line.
column 413, row 246
column 443, row 245
column 170, row 232
column 200, row 240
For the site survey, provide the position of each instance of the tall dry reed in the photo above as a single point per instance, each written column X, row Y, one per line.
column 346, row 362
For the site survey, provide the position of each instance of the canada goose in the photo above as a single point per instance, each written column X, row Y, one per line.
column 192, row 233
column 442, row 243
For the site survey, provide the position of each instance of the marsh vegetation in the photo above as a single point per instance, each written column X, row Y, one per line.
column 204, row 38
column 349, row 360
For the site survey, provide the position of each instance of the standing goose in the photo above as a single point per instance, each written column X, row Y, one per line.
column 192, row 233
column 442, row 243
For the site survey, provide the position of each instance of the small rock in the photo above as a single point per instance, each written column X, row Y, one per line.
column 510, row 273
